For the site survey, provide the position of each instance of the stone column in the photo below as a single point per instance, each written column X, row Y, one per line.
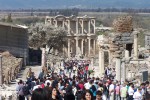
column 89, row 27
column 63, row 23
column 123, row 71
column 101, row 62
column 68, row 48
column 126, row 54
column 63, row 50
column 68, row 26
column 77, row 51
column 1, row 74
column 118, row 69
column 94, row 26
column 135, row 45
column 94, row 46
column 110, row 57
column 82, row 27
column 82, row 41
column 66, row 51
column 77, row 31
column 56, row 23
column 89, row 45
column 43, row 57
column 71, row 49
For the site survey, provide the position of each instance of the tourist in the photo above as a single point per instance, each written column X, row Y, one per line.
column 74, row 89
column 123, row 92
column 87, row 95
column 53, row 94
column 26, row 91
column 88, row 84
column 69, row 94
column 137, row 95
column 32, row 76
column 99, row 95
column 106, row 90
column 111, row 90
column 147, row 90
column 93, row 90
column 41, row 75
column 130, row 91
column 29, row 74
column 20, row 90
column 117, row 90
column 40, row 94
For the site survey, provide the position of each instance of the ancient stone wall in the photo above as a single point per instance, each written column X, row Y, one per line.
column 123, row 24
column 14, row 39
column 10, row 66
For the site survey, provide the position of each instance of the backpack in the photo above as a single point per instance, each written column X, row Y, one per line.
column 25, row 90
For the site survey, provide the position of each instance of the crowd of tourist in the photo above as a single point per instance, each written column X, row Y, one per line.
column 74, row 82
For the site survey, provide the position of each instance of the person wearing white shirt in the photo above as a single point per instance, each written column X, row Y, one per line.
column 131, row 92
column 88, row 84
column 111, row 91
column 137, row 95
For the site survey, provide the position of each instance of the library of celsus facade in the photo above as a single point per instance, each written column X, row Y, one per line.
column 81, row 34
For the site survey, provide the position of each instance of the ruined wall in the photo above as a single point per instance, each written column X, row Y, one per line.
column 10, row 67
column 14, row 39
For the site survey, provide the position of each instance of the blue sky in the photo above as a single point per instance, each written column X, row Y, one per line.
column 13, row 4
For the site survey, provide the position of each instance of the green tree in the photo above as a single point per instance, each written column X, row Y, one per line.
column 42, row 35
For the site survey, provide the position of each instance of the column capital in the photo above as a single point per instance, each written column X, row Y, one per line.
column 135, row 32
column 76, row 38
column 89, row 38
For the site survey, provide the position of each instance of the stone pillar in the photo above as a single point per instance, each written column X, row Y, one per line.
column 68, row 48
column 126, row 54
column 101, row 62
column 89, row 27
column 68, row 26
column 77, row 31
column 77, row 51
column 82, row 27
column 89, row 45
column 110, row 57
column 56, row 23
column 94, row 46
column 1, row 75
column 82, row 43
column 123, row 71
column 135, row 45
column 43, row 57
column 63, row 23
column 118, row 69
column 71, row 49
column 63, row 50
column 94, row 26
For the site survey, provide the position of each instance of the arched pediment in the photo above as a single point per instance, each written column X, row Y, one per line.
column 60, row 17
